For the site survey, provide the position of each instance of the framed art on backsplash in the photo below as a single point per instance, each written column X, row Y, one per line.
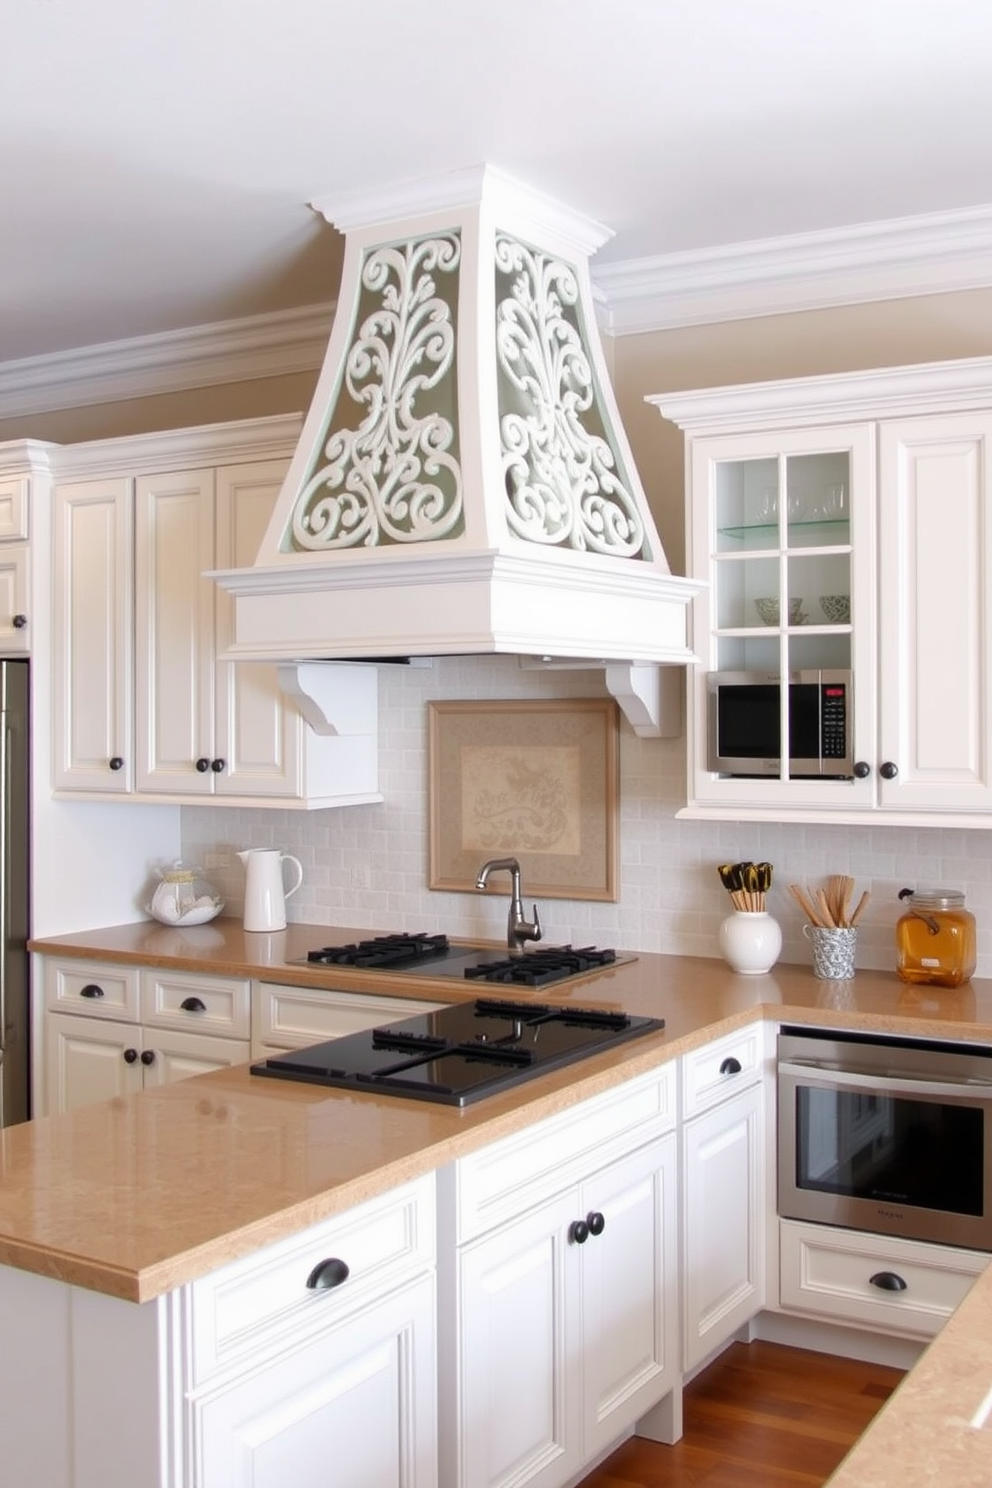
column 538, row 781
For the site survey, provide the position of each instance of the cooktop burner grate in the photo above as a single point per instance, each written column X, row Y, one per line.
column 539, row 968
column 382, row 951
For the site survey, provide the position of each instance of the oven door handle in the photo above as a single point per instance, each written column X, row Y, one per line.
column 811, row 1074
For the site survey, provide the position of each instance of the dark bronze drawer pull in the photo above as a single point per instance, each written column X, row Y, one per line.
column 327, row 1274
column 888, row 1281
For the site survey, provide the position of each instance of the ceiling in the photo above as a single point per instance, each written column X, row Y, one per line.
column 157, row 157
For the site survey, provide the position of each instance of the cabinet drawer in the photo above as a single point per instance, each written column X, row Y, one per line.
column 95, row 988
column 720, row 1069
column 262, row 1302
column 828, row 1272
column 196, row 1004
column 292, row 1017
column 510, row 1176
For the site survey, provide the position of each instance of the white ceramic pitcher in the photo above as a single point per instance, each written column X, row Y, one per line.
column 265, row 887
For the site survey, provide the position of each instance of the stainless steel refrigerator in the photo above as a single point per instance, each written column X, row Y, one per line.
column 14, row 892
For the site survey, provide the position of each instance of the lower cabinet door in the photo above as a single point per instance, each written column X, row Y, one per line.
column 629, row 1292
column 723, row 1241
column 567, row 1328
column 517, row 1387
column 354, row 1407
column 167, row 1057
column 89, row 1059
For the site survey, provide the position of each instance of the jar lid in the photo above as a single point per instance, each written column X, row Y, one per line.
column 936, row 898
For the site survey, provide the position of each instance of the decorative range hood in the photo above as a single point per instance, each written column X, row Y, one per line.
column 463, row 484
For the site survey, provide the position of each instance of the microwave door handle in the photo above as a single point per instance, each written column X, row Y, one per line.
column 887, row 1084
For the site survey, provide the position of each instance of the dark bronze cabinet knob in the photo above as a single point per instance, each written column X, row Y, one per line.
column 117, row 763
column 19, row 622
column 862, row 769
column 888, row 771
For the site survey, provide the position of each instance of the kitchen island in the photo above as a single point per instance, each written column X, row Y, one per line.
column 140, row 1197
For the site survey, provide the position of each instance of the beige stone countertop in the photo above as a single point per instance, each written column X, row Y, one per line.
column 936, row 1429
column 137, row 1195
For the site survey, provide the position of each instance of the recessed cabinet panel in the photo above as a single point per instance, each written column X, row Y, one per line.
column 935, row 620
column 174, row 630
column 92, row 643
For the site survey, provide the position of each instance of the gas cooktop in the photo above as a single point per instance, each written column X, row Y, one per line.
column 460, row 1053
column 433, row 956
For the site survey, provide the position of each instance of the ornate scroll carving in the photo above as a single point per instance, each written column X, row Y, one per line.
column 396, row 477
column 562, row 482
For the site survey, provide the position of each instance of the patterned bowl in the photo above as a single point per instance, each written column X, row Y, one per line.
column 836, row 608
column 767, row 608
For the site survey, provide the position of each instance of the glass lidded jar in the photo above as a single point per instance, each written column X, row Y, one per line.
column 935, row 938
column 184, row 897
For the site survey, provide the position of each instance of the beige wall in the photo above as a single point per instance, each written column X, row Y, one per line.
column 212, row 405
column 850, row 338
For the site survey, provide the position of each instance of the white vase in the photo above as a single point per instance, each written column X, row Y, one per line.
column 750, row 941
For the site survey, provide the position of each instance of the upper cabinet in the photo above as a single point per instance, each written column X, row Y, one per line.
column 840, row 525
column 145, row 706
column 24, row 477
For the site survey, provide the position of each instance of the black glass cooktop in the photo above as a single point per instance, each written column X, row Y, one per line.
column 460, row 1053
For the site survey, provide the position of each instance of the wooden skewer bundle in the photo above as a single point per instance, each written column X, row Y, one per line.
column 829, row 907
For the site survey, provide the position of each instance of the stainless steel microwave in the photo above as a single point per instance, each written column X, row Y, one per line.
column 745, row 724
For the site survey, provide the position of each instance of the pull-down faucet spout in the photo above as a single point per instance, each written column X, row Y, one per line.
column 518, row 929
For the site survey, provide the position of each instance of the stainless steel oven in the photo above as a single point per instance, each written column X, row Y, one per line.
column 889, row 1135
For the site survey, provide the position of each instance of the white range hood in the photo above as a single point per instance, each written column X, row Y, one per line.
column 463, row 484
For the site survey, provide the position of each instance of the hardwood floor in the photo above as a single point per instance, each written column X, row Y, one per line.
column 761, row 1416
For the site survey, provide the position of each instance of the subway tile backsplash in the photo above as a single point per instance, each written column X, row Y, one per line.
column 367, row 865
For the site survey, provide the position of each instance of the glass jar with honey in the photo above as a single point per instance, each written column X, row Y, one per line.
column 935, row 938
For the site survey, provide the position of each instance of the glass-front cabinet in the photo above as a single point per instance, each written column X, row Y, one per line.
column 782, row 528
column 845, row 633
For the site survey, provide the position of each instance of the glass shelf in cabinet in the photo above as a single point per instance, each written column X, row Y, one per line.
column 742, row 530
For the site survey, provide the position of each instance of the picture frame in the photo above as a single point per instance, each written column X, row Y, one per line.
column 533, row 780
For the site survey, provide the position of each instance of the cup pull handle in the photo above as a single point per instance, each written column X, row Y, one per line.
column 327, row 1274
column 888, row 1281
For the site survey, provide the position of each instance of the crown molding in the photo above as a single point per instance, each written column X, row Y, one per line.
column 929, row 254
column 271, row 345
column 906, row 256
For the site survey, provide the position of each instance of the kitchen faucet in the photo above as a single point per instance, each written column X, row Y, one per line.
column 518, row 930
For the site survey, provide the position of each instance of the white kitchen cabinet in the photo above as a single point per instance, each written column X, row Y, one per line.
column 252, row 1377
column 285, row 1017
column 23, row 480
column 558, row 1306
column 723, row 1192
column 145, row 707
column 111, row 1030
column 870, row 488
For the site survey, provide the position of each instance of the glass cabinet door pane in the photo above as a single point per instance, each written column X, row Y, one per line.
column 818, row 499
column 746, row 505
